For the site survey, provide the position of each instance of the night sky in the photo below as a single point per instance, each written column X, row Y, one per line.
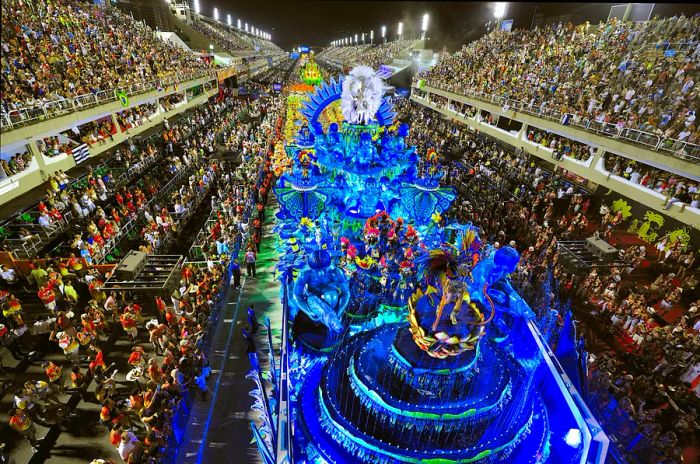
column 316, row 23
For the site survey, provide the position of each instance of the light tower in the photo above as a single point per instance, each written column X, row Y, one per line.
column 424, row 25
column 499, row 11
column 399, row 31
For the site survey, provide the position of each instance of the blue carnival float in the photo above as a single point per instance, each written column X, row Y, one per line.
column 407, row 342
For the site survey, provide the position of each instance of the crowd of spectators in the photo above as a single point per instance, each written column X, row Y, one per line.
column 52, row 146
column 562, row 145
column 615, row 72
column 368, row 54
column 654, row 323
column 14, row 164
column 99, row 131
column 232, row 40
column 167, row 362
column 382, row 53
column 136, row 116
column 676, row 188
column 52, row 51
column 342, row 55
column 225, row 39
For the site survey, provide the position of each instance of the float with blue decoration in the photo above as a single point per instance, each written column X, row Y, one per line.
column 407, row 343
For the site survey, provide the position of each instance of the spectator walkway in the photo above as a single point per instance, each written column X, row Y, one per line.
column 219, row 426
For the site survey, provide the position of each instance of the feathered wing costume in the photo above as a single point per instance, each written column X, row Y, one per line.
column 447, row 269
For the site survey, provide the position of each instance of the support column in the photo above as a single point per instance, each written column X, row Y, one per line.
column 599, row 153
column 36, row 154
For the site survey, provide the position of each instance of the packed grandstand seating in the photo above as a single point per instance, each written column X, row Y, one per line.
column 370, row 55
column 231, row 39
column 78, row 49
column 613, row 73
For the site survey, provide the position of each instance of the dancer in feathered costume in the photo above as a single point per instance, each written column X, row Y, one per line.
column 448, row 269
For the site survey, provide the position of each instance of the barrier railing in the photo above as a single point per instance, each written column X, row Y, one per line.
column 29, row 115
column 676, row 148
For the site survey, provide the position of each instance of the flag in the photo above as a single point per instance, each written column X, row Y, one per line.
column 123, row 98
column 80, row 153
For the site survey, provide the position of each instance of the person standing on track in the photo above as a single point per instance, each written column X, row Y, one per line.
column 250, row 258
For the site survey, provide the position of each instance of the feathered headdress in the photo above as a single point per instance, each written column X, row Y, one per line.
column 365, row 263
column 437, row 266
column 411, row 232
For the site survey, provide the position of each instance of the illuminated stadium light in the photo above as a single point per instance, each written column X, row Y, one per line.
column 216, row 15
column 228, row 20
column 371, row 36
column 424, row 23
column 239, row 24
column 196, row 7
column 499, row 10
column 246, row 27
column 400, row 30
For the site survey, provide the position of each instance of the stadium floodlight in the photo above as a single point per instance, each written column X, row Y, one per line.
column 499, row 10
column 363, row 37
column 246, row 27
column 400, row 29
column 196, row 7
column 356, row 39
column 216, row 15
column 239, row 24
column 424, row 23
column 371, row 36
column 228, row 20
column 383, row 32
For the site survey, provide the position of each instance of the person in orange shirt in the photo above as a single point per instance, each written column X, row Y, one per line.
column 128, row 321
column 48, row 297
column 98, row 360
column 77, row 378
column 53, row 372
column 22, row 424
column 160, row 305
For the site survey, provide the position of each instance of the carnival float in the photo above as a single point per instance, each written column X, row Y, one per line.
column 407, row 342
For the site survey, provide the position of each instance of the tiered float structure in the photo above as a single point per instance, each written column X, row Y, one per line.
column 406, row 341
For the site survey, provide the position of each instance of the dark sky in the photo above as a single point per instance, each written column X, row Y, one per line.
column 316, row 23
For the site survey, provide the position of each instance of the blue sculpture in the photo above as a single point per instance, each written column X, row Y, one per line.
column 321, row 292
column 494, row 271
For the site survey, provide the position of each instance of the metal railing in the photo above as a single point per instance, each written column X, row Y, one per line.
column 674, row 147
column 14, row 118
